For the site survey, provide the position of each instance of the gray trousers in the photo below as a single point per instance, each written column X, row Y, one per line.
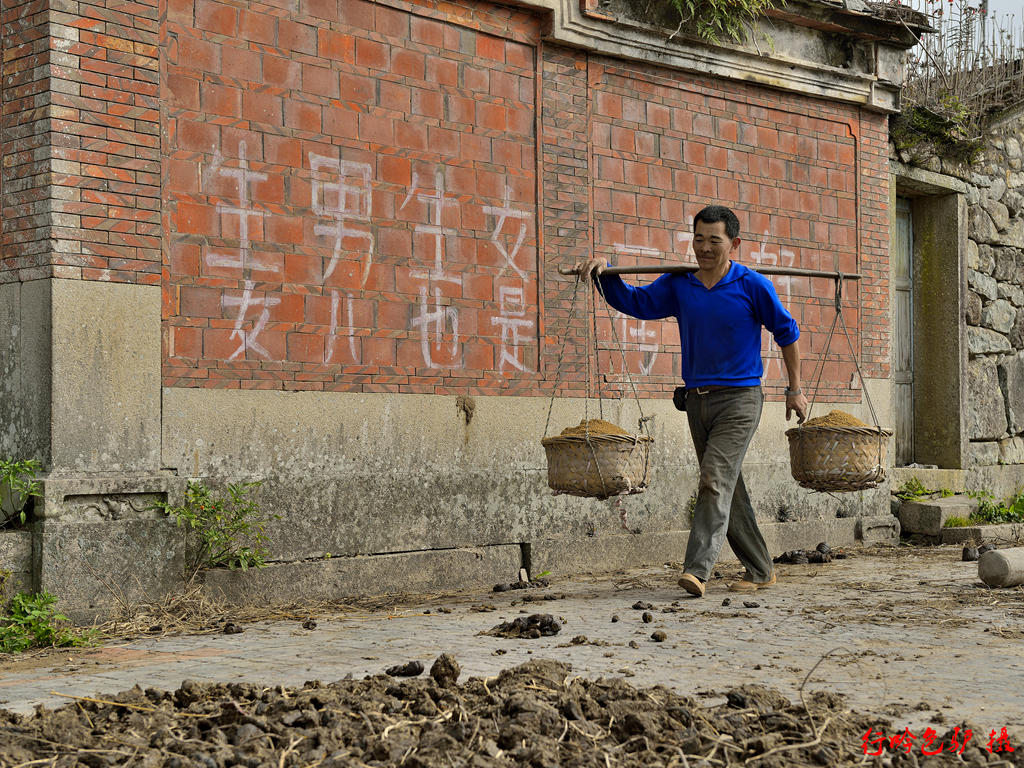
column 722, row 423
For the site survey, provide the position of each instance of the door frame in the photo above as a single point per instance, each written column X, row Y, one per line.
column 939, row 219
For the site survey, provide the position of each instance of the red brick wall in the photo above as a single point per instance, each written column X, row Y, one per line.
column 25, row 136
column 662, row 147
column 365, row 196
column 98, row 216
column 352, row 196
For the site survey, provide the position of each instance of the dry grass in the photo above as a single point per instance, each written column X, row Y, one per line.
column 195, row 610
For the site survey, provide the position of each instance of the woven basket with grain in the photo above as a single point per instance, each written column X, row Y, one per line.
column 838, row 458
column 598, row 465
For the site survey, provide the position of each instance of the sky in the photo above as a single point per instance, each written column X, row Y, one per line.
column 1002, row 7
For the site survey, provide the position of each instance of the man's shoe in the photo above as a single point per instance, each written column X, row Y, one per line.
column 692, row 584
column 747, row 584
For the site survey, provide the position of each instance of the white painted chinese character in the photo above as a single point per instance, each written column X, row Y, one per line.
column 345, row 330
column 244, row 211
column 345, row 197
column 248, row 339
column 512, row 319
column 435, row 201
column 437, row 320
column 504, row 212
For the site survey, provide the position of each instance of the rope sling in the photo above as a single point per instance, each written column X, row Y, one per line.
column 833, row 458
column 593, row 464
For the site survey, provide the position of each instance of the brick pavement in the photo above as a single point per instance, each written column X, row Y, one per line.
column 914, row 635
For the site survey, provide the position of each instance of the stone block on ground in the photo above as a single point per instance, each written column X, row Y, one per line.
column 933, row 479
column 928, row 517
column 878, row 529
column 95, row 567
column 1002, row 567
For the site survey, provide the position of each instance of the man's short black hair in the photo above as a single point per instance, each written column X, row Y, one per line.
column 715, row 213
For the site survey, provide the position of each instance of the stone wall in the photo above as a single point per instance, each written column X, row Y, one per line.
column 995, row 299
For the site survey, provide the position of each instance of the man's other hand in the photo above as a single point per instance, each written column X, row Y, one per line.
column 588, row 269
column 797, row 404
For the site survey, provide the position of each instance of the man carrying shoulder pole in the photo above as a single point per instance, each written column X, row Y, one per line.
column 720, row 309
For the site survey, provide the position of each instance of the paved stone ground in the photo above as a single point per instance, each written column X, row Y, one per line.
column 911, row 634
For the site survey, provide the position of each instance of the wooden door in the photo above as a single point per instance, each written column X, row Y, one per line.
column 903, row 334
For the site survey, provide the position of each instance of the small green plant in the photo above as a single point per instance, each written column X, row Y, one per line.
column 956, row 522
column 945, row 493
column 231, row 530
column 32, row 621
column 17, row 484
column 714, row 20
column 991, row 511
column 911, row 489
column 691, row 506
column 542, row 574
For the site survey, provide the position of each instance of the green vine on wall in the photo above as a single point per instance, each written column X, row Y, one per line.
column 943, row 129
column 715, row 20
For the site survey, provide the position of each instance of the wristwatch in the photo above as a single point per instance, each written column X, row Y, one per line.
column 791, row 392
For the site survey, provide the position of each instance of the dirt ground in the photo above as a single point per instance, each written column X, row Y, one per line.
column 538, row 714
column 838, row 659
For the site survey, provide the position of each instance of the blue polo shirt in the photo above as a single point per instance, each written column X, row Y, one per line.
column 719, row 329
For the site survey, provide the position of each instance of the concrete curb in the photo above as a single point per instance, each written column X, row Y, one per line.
column 454, row 569
column 338, row 578
column 1006, row 532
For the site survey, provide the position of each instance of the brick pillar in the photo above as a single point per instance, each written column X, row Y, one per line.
column 80, row 296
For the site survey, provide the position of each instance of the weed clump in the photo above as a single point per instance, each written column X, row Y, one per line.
column 32, row 621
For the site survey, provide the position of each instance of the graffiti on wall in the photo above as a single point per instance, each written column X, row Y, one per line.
column 344, row 228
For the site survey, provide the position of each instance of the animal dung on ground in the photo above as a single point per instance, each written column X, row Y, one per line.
column 969, row 555
column 564, row 718
column 409, row 669
column 445, row 670
column 659, row 636
column 533, row 584
column 309, row 624
column 823, row 553
column 230, row 628
column 533, row 626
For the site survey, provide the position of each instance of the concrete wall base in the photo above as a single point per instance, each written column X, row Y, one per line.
column 604, row 553
column 15, row 563
column 933, row 479
column 339, row 578
column 98, row 545
column 92, row 564
column 97, row 567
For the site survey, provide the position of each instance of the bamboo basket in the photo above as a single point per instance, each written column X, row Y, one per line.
column 598, row 466
column 838, row 458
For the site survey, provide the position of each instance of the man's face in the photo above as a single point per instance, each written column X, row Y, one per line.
column 712, row 245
